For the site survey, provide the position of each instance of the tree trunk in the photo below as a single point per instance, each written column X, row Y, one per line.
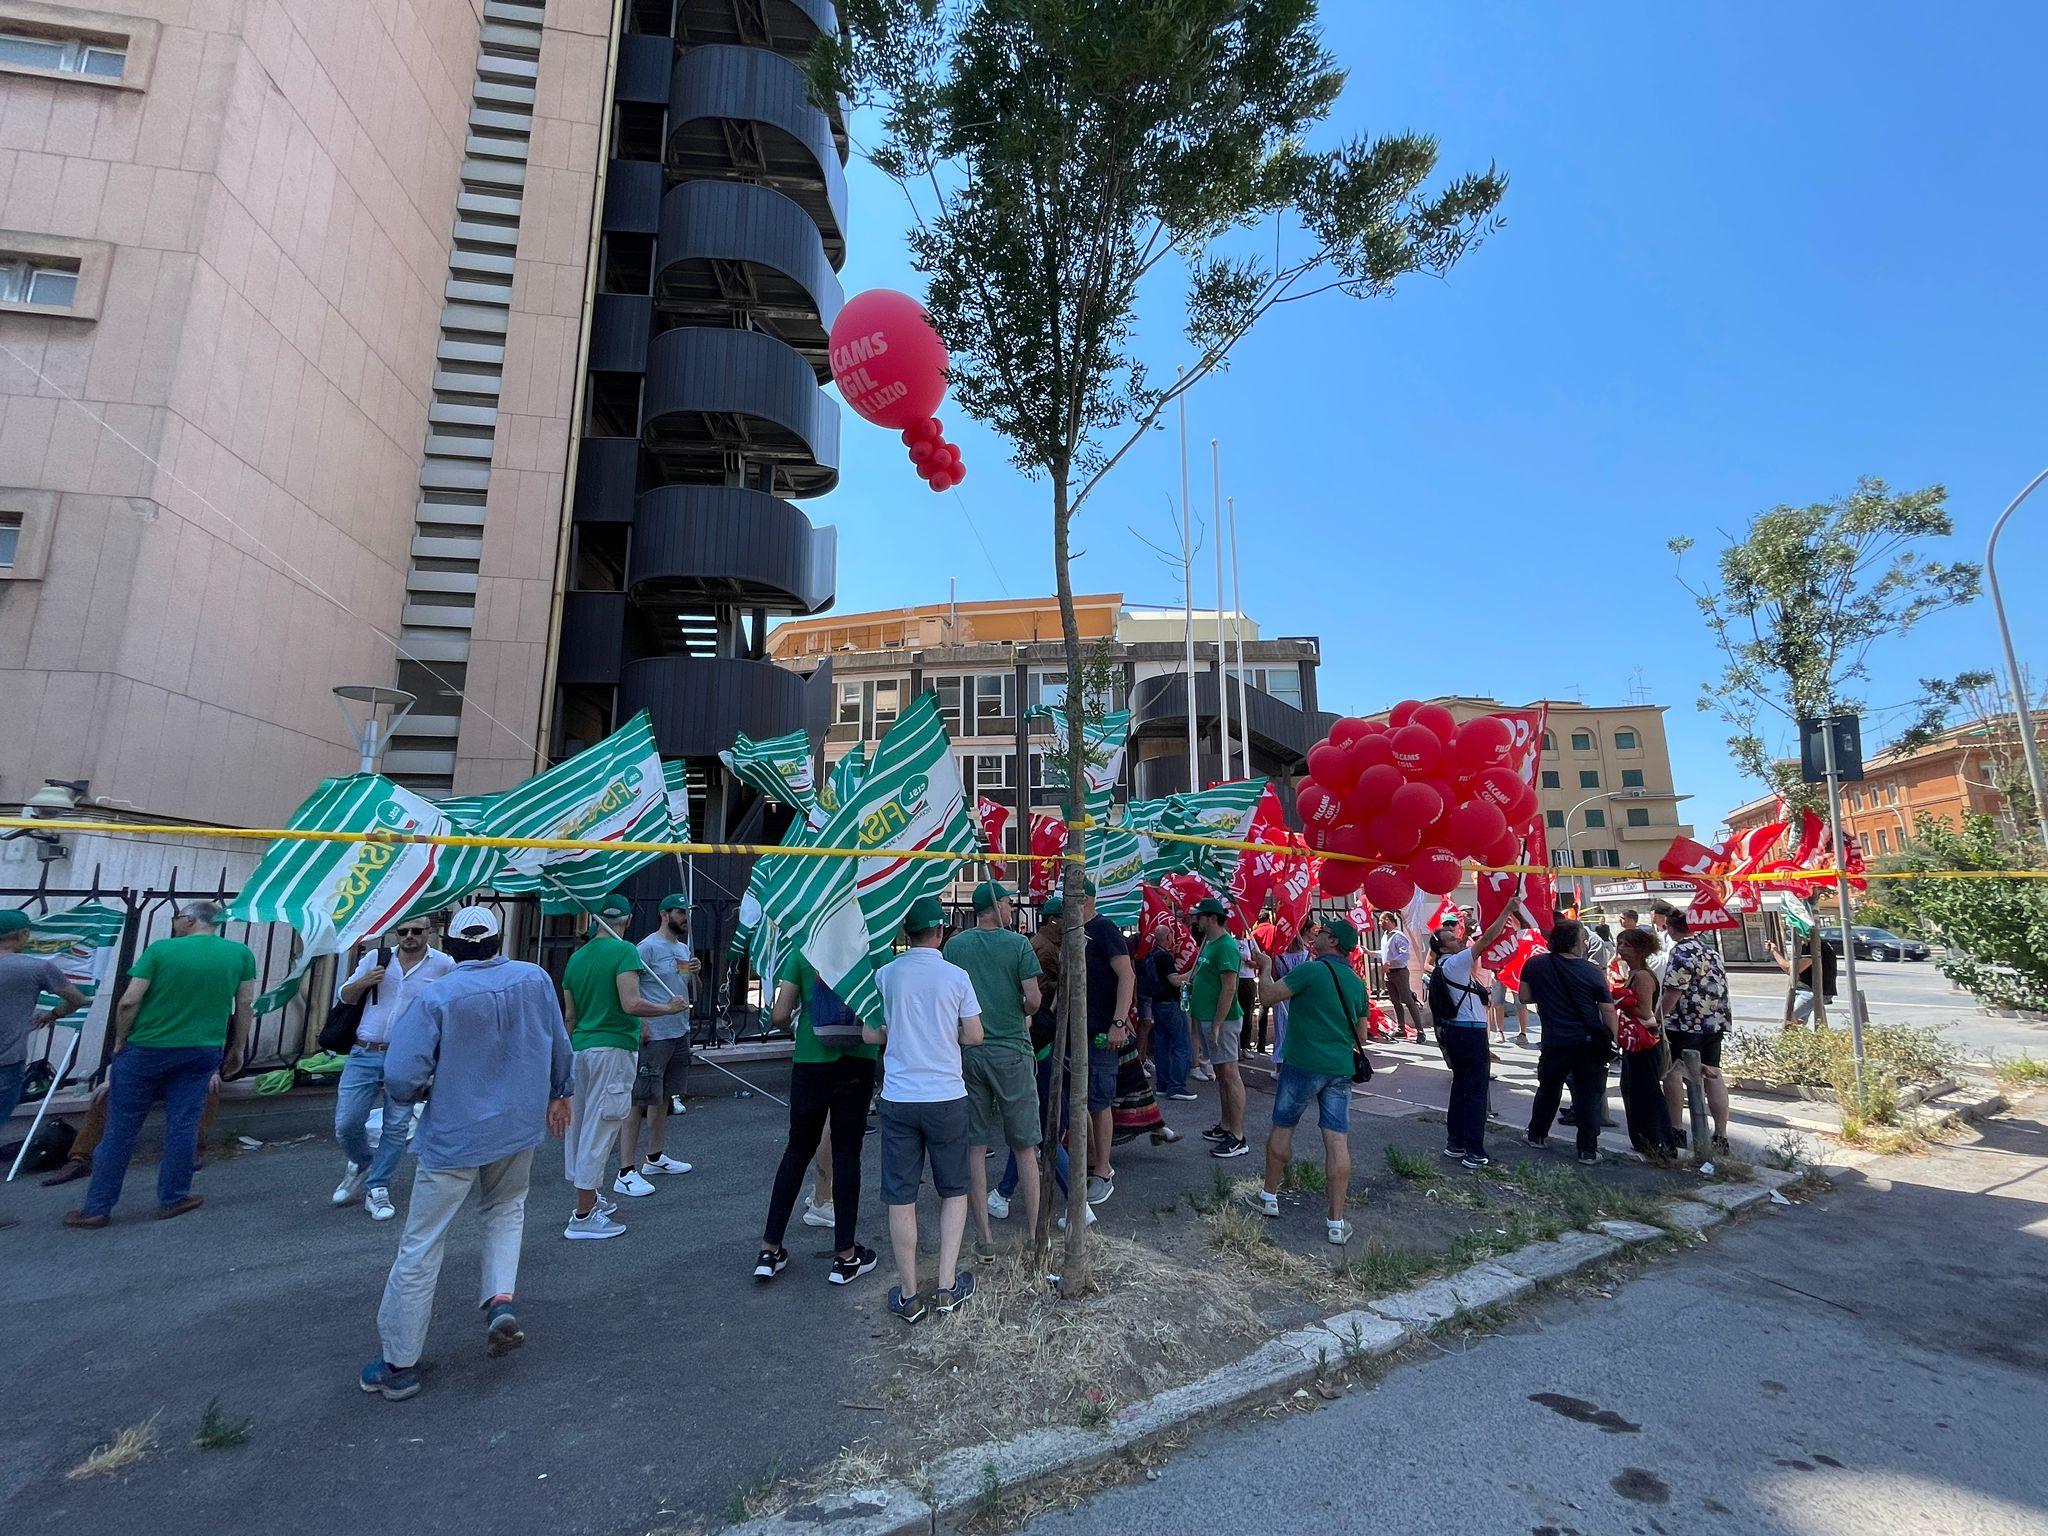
column 1073, row 943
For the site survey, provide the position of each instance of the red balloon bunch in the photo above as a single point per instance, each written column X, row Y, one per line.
column 937, row 461
column 1415, row 795
column 890, row 366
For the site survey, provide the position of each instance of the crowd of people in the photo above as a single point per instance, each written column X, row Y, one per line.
column 469, row 1059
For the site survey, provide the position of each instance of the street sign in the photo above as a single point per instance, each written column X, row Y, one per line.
column 1847, row 731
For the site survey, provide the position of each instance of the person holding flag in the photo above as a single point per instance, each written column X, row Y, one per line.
column 664, row 1067
column 603, row 1008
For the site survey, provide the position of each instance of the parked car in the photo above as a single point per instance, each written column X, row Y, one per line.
column 1883, row 938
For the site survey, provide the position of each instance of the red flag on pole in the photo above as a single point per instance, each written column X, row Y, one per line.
column 994, row 819
column 1048, row 841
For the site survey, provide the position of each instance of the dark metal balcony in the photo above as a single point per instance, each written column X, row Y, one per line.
column 703, row 544
column 1159, row 706
column 719, row 399
column 730, row 248
column 785, row 26
column 699, row 704
column 745, row 114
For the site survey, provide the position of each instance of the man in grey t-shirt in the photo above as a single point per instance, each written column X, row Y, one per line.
column 24, row 977
column 664, row 1069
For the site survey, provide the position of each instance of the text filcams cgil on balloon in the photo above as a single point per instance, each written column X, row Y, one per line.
column 1413, row 797
column 890, row 367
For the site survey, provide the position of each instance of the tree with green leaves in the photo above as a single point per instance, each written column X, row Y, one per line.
column 1062, row 155
column 1996, row 930
column 1799, row 600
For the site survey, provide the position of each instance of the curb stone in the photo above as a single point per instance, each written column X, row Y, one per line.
column 961, row 1478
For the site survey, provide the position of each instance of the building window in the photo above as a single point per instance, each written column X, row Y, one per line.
column 1600, row 858
column 948, row 690
column 888, row 695
column 849, row 704
column 1554, row 820
column 1582, row 741
column 1589, row 778
column 994, row 696
column 1855, row 800
column 1551, row 779
column 1626, row 741
column 1638, row 817
column 10, row 539
column 64, row 55
column 1282, row 683
column 995, row 771
column 38, row 280
column 1631, row 778
column 1596, row 818
column 1891, row 794
column 1559, row 856
column 1549, row 742
column 1884, row 841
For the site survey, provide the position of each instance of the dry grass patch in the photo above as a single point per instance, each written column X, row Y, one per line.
column 126, row 1448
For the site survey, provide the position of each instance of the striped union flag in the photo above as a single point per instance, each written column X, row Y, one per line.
column 82, row 940
column 780, row 768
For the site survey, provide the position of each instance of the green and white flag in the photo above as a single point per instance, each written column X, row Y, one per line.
column 616, row 791
column 839, row 786
column 338, row 894
column 675, row 783
column 83, row 942
column 1102, row 745
column 779, row 768
column 844, row 779
column 1116, row 863
column 1226, row 810
column 844, row 913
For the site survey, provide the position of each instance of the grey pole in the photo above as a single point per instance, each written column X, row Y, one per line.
column 2012, row 662
column 1842, row 902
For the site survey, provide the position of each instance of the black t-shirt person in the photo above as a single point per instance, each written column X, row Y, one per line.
column 1567, row 991
column 1827, row 970
column 1105, row 942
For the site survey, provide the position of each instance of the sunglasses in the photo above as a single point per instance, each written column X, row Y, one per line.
column 411, row 933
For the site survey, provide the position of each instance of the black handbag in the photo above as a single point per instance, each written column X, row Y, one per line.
column 338, row 1034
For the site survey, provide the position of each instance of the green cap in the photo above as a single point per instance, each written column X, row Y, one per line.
column 13, row 921
column 989, row 892
column 926, row 913
column 675, row 903
column 1341, row 933
column 1052, row 906
column 614, row 905
column 1210, row 906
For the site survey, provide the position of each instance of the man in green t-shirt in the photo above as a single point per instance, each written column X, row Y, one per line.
column 1326, row 1017
column 831, row 1079
column 603, row 1006
column 182, row 1020
column 1002, row 1076
column 1213, row 1011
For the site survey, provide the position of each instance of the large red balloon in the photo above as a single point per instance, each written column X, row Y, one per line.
column 1528, row 805
column 1341, row 877
column 1348, row 839
column 1437, row 720
column 1416, row 750
column 887, row 360
column 1481, row 743
column 1319, row 811
column 1388, row 887
column 1368, row 750
column 1504, row 850
column 1391, row 836
column 1416, row 805
column 1474, row 827
column 1502, row 786
column 1374, row 788
column 1331, row 767
column 1435, row 871
column 1347, row 730
column 1399, row 715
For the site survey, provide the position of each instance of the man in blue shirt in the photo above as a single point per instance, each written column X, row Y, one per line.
column 488, row 1041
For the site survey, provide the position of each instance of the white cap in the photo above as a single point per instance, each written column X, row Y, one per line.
column 474, row 923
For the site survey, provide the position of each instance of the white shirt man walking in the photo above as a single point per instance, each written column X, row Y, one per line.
column 1397, row 953
column 929, row 1012
column 384, row 980
column 488, row 1039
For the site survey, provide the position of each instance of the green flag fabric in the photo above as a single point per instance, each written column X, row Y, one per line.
column 1103, row 743
column 844, row 913
column 1116, row 863
column 83, row 941
column 1225, row 810
column 779, row 768
column 675, row 783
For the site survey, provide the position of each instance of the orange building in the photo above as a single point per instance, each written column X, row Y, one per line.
column 1015, row 621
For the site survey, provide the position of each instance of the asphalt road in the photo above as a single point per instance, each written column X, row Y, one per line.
column 1900, row 992
column 1872, row 1361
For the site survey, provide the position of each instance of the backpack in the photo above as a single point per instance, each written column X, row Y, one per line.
column 338, row 1034
column 1443, row 1008
column 831, row 1020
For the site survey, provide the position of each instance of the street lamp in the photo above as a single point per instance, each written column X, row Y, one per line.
column 1610, row 796
column 2012, row 662
column 370, row 734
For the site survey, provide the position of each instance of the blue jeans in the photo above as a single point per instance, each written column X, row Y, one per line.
column 1464, row 1048
column 362, row 1084
column 140, row 1075
column 10, row 1090
column 1172, row 1050
column 1294, row 1090
column 1061, row 1167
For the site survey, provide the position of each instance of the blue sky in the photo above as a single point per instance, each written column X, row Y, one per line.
column 1751, row 253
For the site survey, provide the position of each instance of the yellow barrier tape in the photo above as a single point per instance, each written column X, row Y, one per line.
column 592, row 845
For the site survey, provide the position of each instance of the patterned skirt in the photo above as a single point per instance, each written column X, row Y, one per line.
column 1136, row 1111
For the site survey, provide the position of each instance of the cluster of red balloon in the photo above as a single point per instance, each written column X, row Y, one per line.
column 1414, row 796
column 937, row 461
column 890, row 366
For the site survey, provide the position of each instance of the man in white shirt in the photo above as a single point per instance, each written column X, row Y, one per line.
column 1396, row 952
column 384, row 981
column 929, row 1012
column 664, row 1067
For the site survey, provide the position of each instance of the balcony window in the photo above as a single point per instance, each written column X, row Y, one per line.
column 1638, row 817
column 1589, row 778
column 1551, row 779
column 1596, row 818
column 1582, row 741
column 1631, row 778
column 64, row 55
column 1626, row 741
column 26, row 280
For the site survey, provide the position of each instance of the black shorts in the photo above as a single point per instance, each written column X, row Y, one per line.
column 664, row 1070
column 1706, row 1041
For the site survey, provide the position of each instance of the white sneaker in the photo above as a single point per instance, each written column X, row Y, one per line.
column 1061, row 1223
column 1264, row 1201
column 1340, row 1231
column 819, row 1215
column 998, row 1207
column 630, row 1183
column 676, row 1106
column 596, row 1225
column 664, row 1164
column 607, row 1206
column 1202, row 1074
column 378, row 1203
column 351, row 1185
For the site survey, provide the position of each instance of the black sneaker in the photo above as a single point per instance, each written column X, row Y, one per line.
column 771, row 1263
column 1536, row 1141
column 1454, row 1153
column 1589, row 1158
column 1215, row 1133
column 962, row 1292
column 1720, row 1145
column 1476, row 1160
column 911, row 1309
column 1230, row 1146
column 846, row 1271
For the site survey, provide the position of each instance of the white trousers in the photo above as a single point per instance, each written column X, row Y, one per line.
column 437, row 1195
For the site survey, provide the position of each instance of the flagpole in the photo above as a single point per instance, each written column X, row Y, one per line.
column 43, row 1108
column 1187, row 574
column 1222, row 648
column 1244, row 709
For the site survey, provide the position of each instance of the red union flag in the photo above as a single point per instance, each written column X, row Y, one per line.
column 1257, row 873
column 1687, row 859
column 1293, row 889
column 1048, row 842
column 1535, row 895
column 994, row 820
column 1708, row 911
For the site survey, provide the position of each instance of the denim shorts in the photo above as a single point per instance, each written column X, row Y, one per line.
column 917, row 1131
column 1296, row 1087
column 1102, row 1068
